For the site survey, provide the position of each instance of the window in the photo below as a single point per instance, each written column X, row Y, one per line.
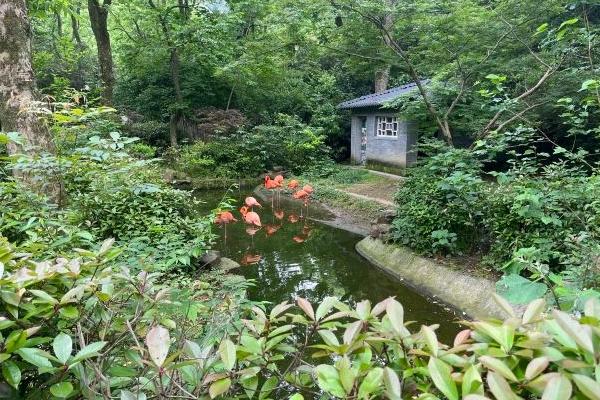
column 387, row 127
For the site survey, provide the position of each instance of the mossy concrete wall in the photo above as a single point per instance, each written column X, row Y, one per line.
column 468, row 293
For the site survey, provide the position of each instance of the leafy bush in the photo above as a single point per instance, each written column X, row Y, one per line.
column 153, row 133
column 440, row 204
column 288, row 144
column 75, row 327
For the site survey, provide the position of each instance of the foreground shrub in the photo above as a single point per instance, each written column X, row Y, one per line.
column 78, row 328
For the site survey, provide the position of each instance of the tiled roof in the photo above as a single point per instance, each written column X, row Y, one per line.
column 379, row 99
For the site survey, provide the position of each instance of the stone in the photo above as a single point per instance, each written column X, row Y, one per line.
column 210, row 258
column 169, row 175
column 380, row 230
column 386, row 216
column 227, row 264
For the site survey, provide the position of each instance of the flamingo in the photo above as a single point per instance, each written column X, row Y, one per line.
column 250, row 259
column 271, row 184
column 298, row 239
column 251, row 230
column 279, row 214
column 223, row 218
column 251, row 202
column 300, row 194
column 293, row 184
column 252, row 218
column 244, row 210
column 293, row 218
column 308, row 189
column 279, row 180
column 272, row 229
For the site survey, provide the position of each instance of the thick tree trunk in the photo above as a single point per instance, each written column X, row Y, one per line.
column 99, row 22
column 382, row 79
column 17, row 88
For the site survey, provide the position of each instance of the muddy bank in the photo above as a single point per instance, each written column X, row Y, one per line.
column 471, row 294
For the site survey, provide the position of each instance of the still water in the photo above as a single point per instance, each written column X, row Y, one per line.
column 293, row 256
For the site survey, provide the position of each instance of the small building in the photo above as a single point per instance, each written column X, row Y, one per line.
column 379, row 137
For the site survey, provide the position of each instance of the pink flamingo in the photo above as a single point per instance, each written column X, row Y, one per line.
column 223, row 218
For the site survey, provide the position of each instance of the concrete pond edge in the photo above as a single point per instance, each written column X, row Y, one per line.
column 467, row 293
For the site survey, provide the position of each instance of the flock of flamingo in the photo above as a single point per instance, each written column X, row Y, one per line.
column 253, row 221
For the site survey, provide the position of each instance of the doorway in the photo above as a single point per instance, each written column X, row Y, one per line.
column 363, row 140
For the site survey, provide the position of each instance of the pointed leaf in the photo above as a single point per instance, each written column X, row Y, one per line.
column 395, row 313
column 498, row 366
column 61, row 389
column 219, row 387
column 306, row 307
column 587, row 386
column 62, row 346
column 536, row 367
column 440, row 373
column 500, row 387
column 158, row 342
column 393, row 388
column 558, row 388
column 11, row 373
column 227, row 353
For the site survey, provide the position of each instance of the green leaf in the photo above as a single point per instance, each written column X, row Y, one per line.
column 61, row 389
column 430, row 340
column 329, row 380
column 440, row 373
column 500, row 387
column 62, row 346
column 395, row 313
column 219, row 387
column 227, row 353
column 587, row 386
column 580, row 333
column 536, row 367
column 267, row 387
column 296, row 396
column 35, row 357
column 371, row 383
column 498, row 366
column 127, row 395
column 325, row 306
column 11, row 373
column 534, row 310
column 519, row 290
column 558, row 388
column 69, row 312
column 393, row 388
column 91, row 350
column 472, row 382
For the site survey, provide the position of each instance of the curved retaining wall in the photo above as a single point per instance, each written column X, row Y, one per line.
column 468, row 293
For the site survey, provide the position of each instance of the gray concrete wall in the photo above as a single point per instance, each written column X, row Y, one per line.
column 471, row 294
column 355, row 139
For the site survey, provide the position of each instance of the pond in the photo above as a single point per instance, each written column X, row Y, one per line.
column 293, row 256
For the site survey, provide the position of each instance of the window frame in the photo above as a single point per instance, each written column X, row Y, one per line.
column 385, row 124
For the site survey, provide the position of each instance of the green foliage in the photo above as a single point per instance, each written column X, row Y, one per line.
column 74, row 326
column 288, row 144
column 439, row 203
column 100, row 336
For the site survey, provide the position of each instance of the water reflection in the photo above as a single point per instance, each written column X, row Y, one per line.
column 312, row 260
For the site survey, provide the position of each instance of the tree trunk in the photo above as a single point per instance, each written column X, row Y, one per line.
column 17, row 89
column 382, row 79
column 79, row 79
column 99, row 22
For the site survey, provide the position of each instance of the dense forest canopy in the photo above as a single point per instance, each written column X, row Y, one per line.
column 107, row 105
